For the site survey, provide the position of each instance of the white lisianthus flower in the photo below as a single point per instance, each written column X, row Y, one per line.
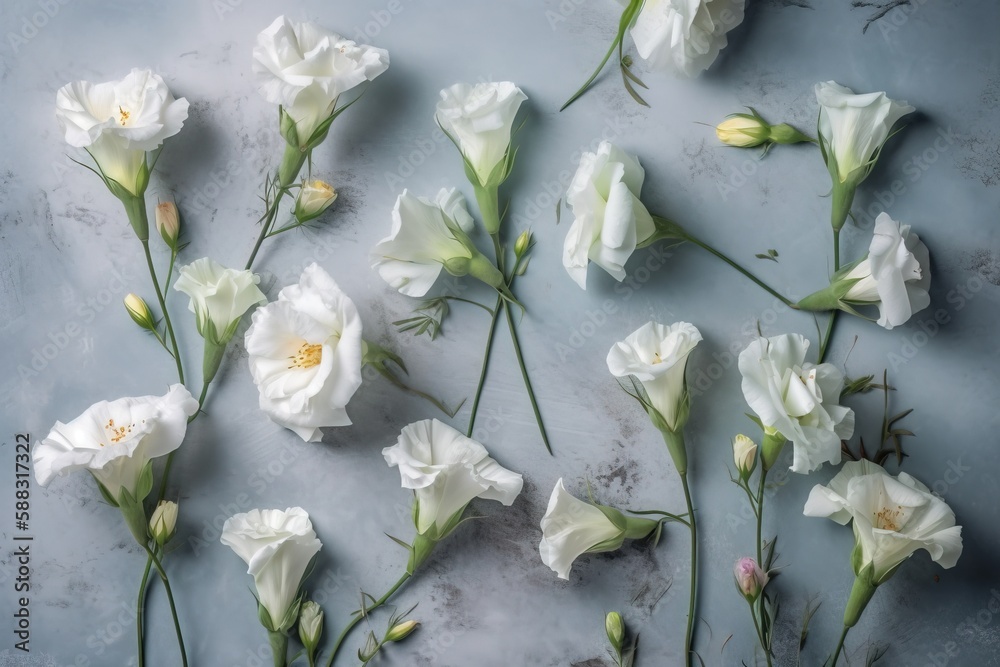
column 428, row 237
column 305, row 68
column 852, row 130
column 608, row 218
column 305, row 355
column 278, row 546
column 480, row 118
column 571, row 528
column 447, row 471
column 795, row 399
column 219, row 297
column 656, row 355
column 684, row 36
column 115, row 440
column 118, row 122
column 893, row 517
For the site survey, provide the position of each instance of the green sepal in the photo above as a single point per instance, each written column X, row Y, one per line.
column 212, row 359
column 108, row 498
column 664, row 230
column 145, row 485
column 770, row 448
column 135, row 516
column 420, row 551
column 287, row 127
column 323, row 129
column 861, row 594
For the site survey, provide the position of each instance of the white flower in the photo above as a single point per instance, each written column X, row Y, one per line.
column 219, row 296
column 480, row 118
column 571, row 528
column 684, row 36
column 114, row 440
column 852, row 128
column 447, row 470
column 425, row 236
column 117, row 122
column 305, row 68
column 893, row 517
column 278, row 548
column 895, row 275
column 799, row 400
column 305, row 355
column 608, row 218
column 656, row 354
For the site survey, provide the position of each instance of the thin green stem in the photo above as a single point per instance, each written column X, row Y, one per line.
column 170, row 599
column 361, row 614
column 760, row 563
column 416, row 392
column 760, row 283
column 760, row 633
column 163, row 309
column 824, row 345
column 474, row 303
column 693, row 525
column 265, row 227
column 840, row 646
column 836, row 249
column 486, row 361
column 623, row 24
column 140, row 608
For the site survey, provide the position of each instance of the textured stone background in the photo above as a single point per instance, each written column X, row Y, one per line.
column 68, row 257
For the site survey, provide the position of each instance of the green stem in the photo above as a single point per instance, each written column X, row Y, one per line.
column 840, row 646
column 825, row 343
column 760, row 283
column 416, row 392
column 279, row 648
column 693, row 525
column 170, row 599
column 487, row 197
column 760, row 633
column 760, row 562
column 140, row 607
column 163, row 309
column 265, row 227
column 359, row 615
column 623, row 24
column 474, row 303
column 836, row 250
column 486, row 362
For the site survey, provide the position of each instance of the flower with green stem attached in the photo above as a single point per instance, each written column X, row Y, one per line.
column 315, row 196
column 748, row 130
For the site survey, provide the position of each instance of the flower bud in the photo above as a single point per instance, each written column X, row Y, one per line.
column 745, row 455
column 310, row 625
column 750, row 579
column 163, row 523
column 743, row 130
column 139, row 312
column 168, row 223
column 615, row 627
column 522, row 244
column 314, row 197
column 401, row 631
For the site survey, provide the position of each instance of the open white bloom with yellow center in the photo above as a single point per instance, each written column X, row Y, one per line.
column 117, row 122
column 114, row 440
column 895, row 274
column 656, row 355
column 278, row 546
column 426, row 235
column 684, row 36
column 219, row 296
column 480, row 118
column 797, row 399
column 893, row 517
column 608, row 218
column 306, row 68
column 447, row 471
column 305, row 355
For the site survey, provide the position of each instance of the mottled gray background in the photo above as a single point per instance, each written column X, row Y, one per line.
column 486, row 599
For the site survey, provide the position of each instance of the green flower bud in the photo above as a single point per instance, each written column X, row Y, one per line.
column 163, row 523
column 401, row 631
column 615, row 627
column 139, row 312
column 310, row 625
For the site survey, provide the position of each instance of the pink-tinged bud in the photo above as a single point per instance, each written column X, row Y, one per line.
column 750, row 579
column 168, row 223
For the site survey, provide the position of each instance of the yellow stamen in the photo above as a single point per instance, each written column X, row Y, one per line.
column 307, row 356
column 117, row 433
column 889, row 519
column 123, row 115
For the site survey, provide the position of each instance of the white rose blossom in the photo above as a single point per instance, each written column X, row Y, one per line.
column 684, row 36
column 447, row 470
column 305, row 355
column 656, row 355
column 219, row 297
column 480, row 119
column 115, row 440
column 428, row 237
column 118, row 122
column 852, row 130
column 797, row 400
column 278, row 547
column 893, row 517
column 306, row 68
column 572, row 527
column 608, row 218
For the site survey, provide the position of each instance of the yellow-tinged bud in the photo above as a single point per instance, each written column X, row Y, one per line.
column 314, row 197
column 745, row 455
column 401, row 631
column 743, row 131
column 615, row 627
column 139, row 312
column 163, row 523
column 168, row 223
column 310, row 625
column 522, row 244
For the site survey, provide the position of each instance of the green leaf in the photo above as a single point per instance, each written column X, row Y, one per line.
column 145, row 485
